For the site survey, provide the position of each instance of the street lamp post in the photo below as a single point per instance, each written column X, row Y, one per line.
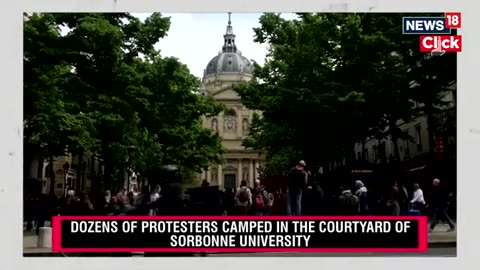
column 66, row 167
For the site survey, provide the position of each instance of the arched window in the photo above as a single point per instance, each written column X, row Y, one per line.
column 214, row 126
column 230, row 112
column 230, row 121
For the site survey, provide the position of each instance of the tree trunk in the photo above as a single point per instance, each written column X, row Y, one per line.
column 431, row 143
column 100, row 176
column 107, row 170
column 394, row 132
column 83, row 179
column 93, row 176
column 107, row 175
column 52, row 176
column 79, row 183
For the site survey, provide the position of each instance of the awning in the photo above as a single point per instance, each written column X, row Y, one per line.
column 417, row 168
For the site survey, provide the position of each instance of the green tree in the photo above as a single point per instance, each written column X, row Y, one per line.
column 171, row 107
column 433, row 78
column 48, row 122
column 112, row 89
column 138, row 97
column 330, row 81
column 302, row 91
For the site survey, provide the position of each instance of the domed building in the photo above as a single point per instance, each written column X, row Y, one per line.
column 225, row 70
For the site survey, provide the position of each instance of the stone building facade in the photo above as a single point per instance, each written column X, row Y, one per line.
column 225, row 70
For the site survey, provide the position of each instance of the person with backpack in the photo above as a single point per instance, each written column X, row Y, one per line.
column 348, row 203
column 258, row 202
column 362, row 195
column 297, row 180
column 243, row 199
column 263, row 200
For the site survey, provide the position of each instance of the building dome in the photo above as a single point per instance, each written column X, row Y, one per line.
column 229, row 59
column 228, row 62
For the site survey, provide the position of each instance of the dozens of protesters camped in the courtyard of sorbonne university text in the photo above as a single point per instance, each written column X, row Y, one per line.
column 300, row 197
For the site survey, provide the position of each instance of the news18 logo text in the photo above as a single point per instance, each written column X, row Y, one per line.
column 435, row 32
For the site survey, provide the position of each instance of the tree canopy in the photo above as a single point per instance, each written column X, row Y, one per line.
column 95, row 84
column 332, row 80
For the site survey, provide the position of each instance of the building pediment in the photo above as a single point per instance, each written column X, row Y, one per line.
column 225, row 93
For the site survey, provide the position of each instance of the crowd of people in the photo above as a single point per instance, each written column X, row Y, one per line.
column 305, row 197
column 300, row 196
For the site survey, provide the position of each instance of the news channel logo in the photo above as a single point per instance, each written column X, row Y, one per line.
column 431, row 25
column 435, row 32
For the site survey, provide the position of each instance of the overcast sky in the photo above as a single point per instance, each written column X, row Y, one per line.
column 195, row 38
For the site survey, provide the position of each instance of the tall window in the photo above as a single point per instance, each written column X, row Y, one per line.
column 418, row 137
column 407, row 148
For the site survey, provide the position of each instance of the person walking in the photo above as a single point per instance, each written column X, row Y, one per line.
column 229, row 201
column 393, row 204
column 243, row 199
column 402, row 197
column 85, row 206
column 361, row 193
column 259, row 199
column 348, row 203
column 42, row 212
column 297, row 180
column 418, row 201
column 437, row 201
column 155, row 193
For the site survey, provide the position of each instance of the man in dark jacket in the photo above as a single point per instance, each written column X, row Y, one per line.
column 297, row 180
column 437, row 201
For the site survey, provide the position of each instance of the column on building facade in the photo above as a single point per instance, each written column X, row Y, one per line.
column 239, row 172
column 208, row 175
column 220, row 176
column 257, row 169
column 251, row 172
column 220, row 124
column 239, row 124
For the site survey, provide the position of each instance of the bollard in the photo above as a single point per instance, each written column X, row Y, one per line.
column 45, row 237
